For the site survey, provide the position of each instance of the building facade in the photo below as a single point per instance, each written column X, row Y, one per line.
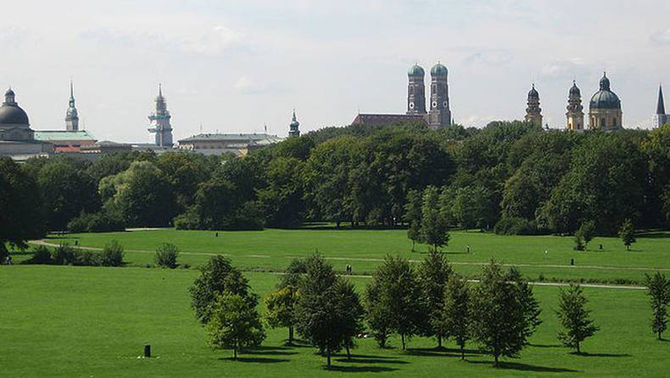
column 533, row 111
column 160, row 122
column 605, row 108
column 438, row 116
column 575, row 114
column 219, row 144
column 17, row 139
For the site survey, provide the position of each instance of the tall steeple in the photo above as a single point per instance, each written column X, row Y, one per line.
column 160, row 121
column 71, row 116
column 294, row 130
column 440, row 113
column 416, row 90
column 533, row 111
column 660, row 106
column 575, row 112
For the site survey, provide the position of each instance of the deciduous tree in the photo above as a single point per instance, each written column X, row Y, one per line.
column 658, row 288
column 574, row 317
column 234, row 324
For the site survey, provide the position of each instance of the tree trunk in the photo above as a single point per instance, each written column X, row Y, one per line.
column 413, row 244
column 439, row 341
column 496, row 360
column 660, row 336
column 328, row 354
column 578, row 351
column 462, row 352
column 402, row 339
column 348, row 352
column 235, row 353
column 290, row 335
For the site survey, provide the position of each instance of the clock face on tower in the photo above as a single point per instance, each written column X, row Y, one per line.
column 445, row 104
column 411, row 105
column 434, row 104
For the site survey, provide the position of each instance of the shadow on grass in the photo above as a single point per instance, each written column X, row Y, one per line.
column 546, row 345
column 526, row 367
column 259, row 360
column 585, row 354
column 371, row 360
column 654, row 235
column 361, row 369
column 441, row 352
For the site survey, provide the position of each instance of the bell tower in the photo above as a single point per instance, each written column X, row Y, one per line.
column 575, row 112
column 440, row 114
column 533, row 111
column 294, row 130
column 416, row 91
column 160, row 121
column 71, row 116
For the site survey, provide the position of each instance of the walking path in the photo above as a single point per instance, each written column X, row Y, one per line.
column 556, row 284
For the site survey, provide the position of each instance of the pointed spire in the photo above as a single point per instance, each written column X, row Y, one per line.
column 660, row 107
column 294, row 119
column 71, row 90
column 160, row 90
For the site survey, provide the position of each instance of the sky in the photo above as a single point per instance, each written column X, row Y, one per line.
column 235, row 66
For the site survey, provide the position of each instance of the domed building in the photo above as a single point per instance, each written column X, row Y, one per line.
column 605, row 108
column 533, row 111
column 14, row 124
column 294, row 127
column 575, row 109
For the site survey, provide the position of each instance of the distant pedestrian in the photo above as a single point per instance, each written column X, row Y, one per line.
column 8, row 260
column 467, row 247
column 217, row 234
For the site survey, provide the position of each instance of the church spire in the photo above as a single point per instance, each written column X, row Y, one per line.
column 294, row 130
column 660, row 107
column 71, row 116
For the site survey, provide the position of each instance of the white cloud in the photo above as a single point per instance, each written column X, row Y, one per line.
column 661, row 37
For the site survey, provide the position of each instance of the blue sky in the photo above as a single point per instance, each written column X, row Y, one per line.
column 234, row 66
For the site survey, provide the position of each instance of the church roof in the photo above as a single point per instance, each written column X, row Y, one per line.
column 605, row 98
column 53, row 135
column 251, row 138
column 415, row 70
column 660, row 107
column 387, row 119
column 439, row 70
column 11, row 113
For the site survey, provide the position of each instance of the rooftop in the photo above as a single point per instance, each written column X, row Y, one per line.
column 49, row 135
column 251, row 138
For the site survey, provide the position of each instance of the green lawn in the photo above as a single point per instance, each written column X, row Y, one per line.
column 272, row 249
column 79, row 321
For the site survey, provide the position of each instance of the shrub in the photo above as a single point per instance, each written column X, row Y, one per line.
column 41, row 255
column 63, row 255
column 166, row 255
column 112, row 254
column 96, row 222
column 86, row 258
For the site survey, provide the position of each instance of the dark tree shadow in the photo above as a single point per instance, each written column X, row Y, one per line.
column 586, row 354
column 361, row 369
column 370, row 360
column 260, row 360
column 654, row 235
column 444, row 352
column 526, row 367
column 546, row 345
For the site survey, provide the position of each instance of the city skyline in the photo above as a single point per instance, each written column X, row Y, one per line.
column 235, row 67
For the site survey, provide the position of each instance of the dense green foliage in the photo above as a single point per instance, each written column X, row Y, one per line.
column 658, row 288
column 234, row 324
column 166, row 255
column 509, row 176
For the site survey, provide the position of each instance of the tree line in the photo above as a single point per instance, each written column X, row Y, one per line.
column 512, row 177
column 498, row 314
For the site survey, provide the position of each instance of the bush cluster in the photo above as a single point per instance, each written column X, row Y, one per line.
column 112, row 255
column 166, row 255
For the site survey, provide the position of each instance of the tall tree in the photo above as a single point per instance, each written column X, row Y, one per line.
column 317, row 308
column 218, row 277
column 351, row 313
column 234, row 324
column 574, row 317
column 433, row 225
column 531, row 307
column 413, row 216
column 280, row 306
column 282, row 198
column 500, row 321
column 396, row 298
column 456, row 314
column 658, row 288
column 378, row 317
column 432, row 275
column 627, row 233
column 21, row 213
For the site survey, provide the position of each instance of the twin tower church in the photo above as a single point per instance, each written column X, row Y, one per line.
column 604, row 108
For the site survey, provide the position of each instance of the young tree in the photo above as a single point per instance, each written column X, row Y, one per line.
column 351, row 313
column 432, row 275
column 317, row 308
column 627, row 233
column 397, row 302
column 500, row 320
column 658, row 288
column 433, row 225
column 531, row 307
column 584, row 235
column 413, row 216
column 166, row 255
column 574, row 318
column 456, row 311
column 234, row 324
column 218, row 277
column 281, row 310
column 376, row 314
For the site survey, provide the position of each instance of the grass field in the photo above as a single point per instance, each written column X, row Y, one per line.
column 80, row 321
column 272, row 249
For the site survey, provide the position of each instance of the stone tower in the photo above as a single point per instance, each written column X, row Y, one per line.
column 440, row 114
column 533, row 111
column 416, row 91
column 160, row 121
column 575, row 112
column 71, row 116
column 660, row 118
column 605, row 108
column 294, row 130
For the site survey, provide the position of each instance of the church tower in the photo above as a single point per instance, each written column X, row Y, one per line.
column 575, row 112
column 534, row 112
column 160, row 121
column 605, row 108
column 416, row 91
column 71, row 116
column 660, row 118
column 294, row 130
column 440, row 114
